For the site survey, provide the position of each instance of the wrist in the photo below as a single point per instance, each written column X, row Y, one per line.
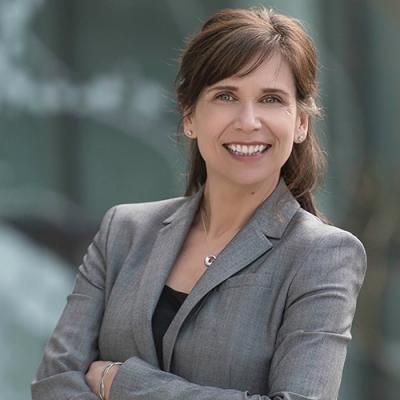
column 107, row 377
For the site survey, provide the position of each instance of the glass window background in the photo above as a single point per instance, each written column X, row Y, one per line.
column 87, row 121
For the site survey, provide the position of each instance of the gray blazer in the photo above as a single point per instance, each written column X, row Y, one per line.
column 270, row 319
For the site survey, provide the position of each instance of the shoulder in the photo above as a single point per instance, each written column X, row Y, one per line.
column 308, row 231
column 141, row 213
column 125, row 220
column 324, row 250
column 159, row 210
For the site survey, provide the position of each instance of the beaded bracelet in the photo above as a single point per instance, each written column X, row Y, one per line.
column 106, row 370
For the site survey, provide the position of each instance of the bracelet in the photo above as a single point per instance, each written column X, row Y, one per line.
column 106, row 370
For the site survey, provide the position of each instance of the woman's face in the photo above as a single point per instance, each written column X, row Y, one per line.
column 246, row 126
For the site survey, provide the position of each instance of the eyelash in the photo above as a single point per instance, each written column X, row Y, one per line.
column 275, row 98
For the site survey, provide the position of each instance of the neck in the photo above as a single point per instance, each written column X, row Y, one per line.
column 227, row 208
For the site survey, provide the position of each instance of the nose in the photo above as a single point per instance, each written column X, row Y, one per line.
column 247, row 119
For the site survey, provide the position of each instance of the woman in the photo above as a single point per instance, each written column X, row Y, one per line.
column 237, row 290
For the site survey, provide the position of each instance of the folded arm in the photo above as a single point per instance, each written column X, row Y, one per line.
column 311, row 345
column 73, row 344
column 309, row 352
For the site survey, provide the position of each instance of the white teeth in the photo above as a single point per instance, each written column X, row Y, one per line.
column 246, row 150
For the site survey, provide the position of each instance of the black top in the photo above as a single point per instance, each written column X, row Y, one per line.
column 168, row 305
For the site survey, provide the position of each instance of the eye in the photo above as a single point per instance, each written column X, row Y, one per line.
column 225, row 97
column 271, row 99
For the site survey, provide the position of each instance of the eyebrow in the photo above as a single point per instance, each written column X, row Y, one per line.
column 236, row 89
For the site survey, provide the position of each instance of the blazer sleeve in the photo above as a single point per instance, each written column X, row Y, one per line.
column 312, row 341
column 311, row 344
column 73, row 344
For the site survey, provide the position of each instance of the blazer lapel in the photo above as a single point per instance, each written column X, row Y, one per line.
column 269, row 221
column 169, row 240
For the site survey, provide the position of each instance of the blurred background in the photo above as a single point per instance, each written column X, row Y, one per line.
column 87, row 121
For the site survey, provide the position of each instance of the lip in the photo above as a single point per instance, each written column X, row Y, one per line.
column 248, row 143
column 248, row 158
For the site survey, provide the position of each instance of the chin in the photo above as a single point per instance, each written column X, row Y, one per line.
column 254, row 183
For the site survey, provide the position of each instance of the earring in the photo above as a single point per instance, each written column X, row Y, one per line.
column 189, row 133
column 300, row 138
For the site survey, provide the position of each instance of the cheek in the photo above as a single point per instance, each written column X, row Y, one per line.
column 282, row 124
column 212, row 123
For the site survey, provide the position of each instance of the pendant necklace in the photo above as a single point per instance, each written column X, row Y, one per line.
column 208, row 260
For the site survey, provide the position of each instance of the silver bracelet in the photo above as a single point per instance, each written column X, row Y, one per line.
column 106, row 370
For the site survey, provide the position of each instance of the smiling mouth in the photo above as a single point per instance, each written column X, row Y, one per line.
column 247, row 150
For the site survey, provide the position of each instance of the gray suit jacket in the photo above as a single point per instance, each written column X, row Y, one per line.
column 270, row 319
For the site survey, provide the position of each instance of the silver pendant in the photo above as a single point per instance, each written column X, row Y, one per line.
column 209, row 260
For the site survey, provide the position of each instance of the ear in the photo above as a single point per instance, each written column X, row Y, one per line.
column 188, row 128
column 302, row 122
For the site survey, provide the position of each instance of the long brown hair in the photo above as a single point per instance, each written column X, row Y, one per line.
column 227, row 42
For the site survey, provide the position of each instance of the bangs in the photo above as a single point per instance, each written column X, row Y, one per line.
column 239, row 53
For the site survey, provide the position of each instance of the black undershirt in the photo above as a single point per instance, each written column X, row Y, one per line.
column 168, row 305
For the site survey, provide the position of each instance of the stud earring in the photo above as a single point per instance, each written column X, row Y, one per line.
column 189, row 133
column 300, row 138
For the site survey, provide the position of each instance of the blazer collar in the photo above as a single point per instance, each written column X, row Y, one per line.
column 188, row 209
column 275, row 213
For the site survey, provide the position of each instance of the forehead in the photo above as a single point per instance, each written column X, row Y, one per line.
column 273, row 72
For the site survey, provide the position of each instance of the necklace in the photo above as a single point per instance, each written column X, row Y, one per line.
column 208, row 260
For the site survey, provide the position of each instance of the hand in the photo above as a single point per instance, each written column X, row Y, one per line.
column 93, row 377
